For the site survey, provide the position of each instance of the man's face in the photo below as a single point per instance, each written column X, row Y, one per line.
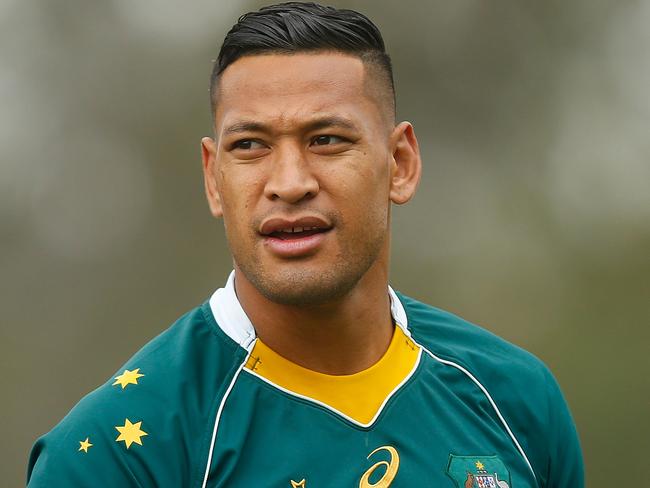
column 300, row 169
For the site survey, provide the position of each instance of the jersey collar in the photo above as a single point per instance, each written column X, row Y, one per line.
column 233, row 321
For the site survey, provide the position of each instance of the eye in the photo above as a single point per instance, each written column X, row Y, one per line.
column 247, row 145
column 326, row 140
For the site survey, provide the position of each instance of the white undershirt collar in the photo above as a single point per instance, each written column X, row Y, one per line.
column 233, row 321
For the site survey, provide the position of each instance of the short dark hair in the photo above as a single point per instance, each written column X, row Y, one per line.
column 294, row 27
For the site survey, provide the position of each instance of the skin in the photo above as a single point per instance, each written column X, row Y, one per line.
column 311, row 135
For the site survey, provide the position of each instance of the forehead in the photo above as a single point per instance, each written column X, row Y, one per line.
column 285, row 88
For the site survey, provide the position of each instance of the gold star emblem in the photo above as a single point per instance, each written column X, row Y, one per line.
column 298, row 484
column 130, row 433
column 84, row 445
column 479, row 465
column 128, row 378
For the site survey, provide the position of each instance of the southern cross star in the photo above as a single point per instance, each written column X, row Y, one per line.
column 128, row 378
column 130, row 433
column 84, row 445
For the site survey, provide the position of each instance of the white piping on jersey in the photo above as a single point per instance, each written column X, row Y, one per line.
column 234, row 322
column 398, row 309
column 489, row 397
column 218, row 418
column 338, row 412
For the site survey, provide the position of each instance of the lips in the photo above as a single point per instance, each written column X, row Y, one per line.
column 291, row 238
column 294, row 228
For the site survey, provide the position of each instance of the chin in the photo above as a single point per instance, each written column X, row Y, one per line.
column 302, row 288
column 315, row 281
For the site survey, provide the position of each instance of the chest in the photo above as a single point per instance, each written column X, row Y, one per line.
column 437, row 430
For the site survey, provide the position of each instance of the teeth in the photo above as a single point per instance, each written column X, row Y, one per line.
column 292, row 230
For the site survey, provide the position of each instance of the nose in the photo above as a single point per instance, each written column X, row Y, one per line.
column 291, row 178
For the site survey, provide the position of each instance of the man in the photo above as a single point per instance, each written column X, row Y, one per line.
column 306, row 369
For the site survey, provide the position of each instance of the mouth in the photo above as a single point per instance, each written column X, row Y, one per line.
column 289, row 233
column 292, row 238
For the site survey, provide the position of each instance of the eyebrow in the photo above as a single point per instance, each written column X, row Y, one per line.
column 245, row 126
column 323, row 122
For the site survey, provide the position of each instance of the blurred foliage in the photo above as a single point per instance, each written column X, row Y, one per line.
column 532, row 218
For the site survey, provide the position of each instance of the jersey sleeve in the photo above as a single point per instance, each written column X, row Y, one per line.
column 135, row 430
column 565, row 465
column 522, row 386
column 151, row 423
column 83, row 450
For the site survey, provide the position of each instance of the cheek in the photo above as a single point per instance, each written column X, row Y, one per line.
column 367, row 181
column 238, row 196
column 362, row 196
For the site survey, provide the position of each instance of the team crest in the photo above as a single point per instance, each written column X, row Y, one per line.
column 478, row 472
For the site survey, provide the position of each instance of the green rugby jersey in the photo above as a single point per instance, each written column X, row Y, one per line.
column 206, row 404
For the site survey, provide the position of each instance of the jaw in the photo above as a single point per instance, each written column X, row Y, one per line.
column 326, row 276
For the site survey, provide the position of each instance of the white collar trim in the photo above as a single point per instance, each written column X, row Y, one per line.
column 233, row 321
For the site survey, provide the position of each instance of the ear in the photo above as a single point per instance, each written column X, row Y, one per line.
column 209, row 156
column 407, row 164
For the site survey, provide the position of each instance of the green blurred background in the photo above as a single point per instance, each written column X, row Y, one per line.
column 532, row 218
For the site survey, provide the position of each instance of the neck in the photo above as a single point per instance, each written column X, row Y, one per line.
column 341, row 337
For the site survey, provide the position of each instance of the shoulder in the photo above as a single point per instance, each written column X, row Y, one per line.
column 455, row 339
column 521, row 386
column 193, row 343
column 513, row 377
column 157, row 407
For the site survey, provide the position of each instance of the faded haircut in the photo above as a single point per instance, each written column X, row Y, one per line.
column 296, row 27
